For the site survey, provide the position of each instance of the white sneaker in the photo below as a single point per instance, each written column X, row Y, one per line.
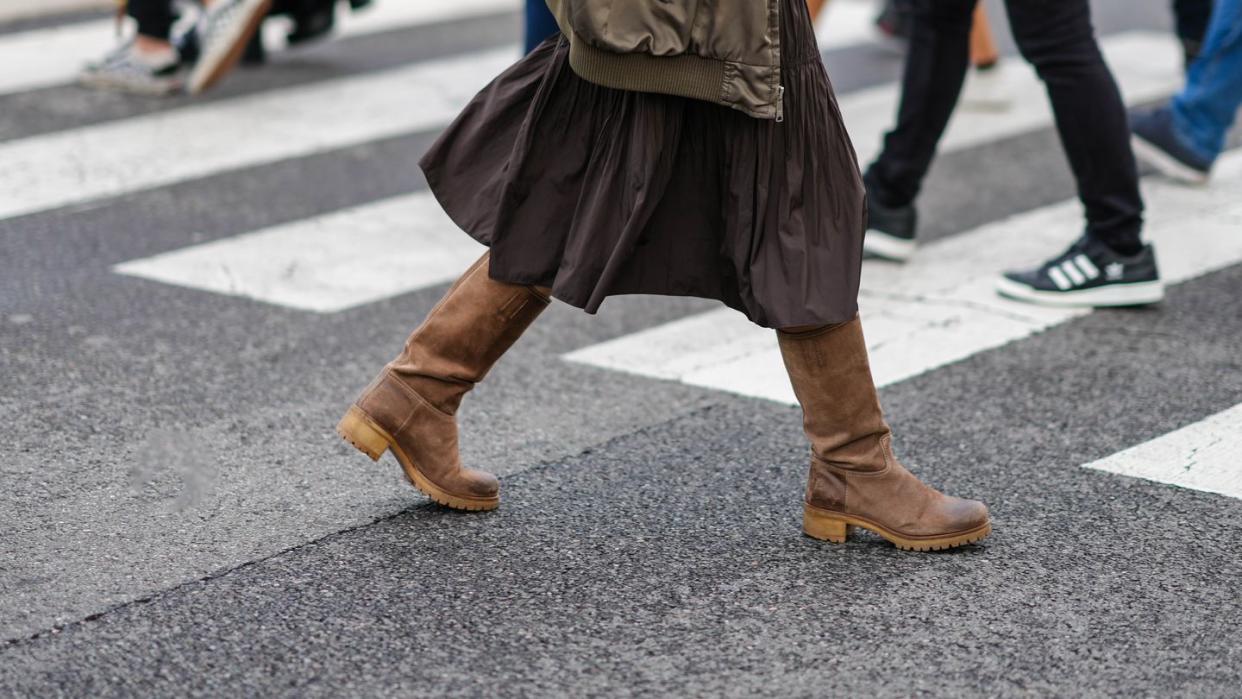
column 128, row 70
column 227, row 26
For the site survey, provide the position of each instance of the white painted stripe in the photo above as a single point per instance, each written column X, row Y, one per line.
column 1059, row 278
column 846, row 23
column 63, row 50
column 1204, row 456
column 22, row 9
column 941, row 307
column 60, row 169
column 1087, row 266
column 327, row 263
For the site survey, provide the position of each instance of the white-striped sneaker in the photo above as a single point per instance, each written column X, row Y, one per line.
column 225, row 29
column 1089, row 274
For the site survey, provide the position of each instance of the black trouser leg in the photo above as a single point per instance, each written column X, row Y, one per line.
column 936, row 65
column 155, row 17
column 1192, row 18
column 1059, row 40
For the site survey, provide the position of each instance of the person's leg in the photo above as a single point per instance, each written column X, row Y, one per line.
column 983, row 50
column 854, row 478
column 540, row 24
column 815, row 7
column 155, row 20
column 1108, row 265
column 1192, row 18
column 1204, row 111
column 411, row 407
column 1059, row 40
column 934, row 71
column 1183, row 140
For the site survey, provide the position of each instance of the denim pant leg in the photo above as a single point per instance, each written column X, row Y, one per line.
column 936, row 65
column 154, row 17
column 1058, row 39
column 1206, row 108
column 540, row 24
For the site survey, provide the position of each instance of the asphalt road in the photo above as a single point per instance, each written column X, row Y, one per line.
column 179, row 519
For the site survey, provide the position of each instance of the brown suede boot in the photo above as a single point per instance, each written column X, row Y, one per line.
column 410, row 407
column 855, row 480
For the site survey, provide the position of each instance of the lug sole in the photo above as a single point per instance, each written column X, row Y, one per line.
column 369, row 438
column 834, row 527
column 208, row 72
column 888, row 247
column 1134, row 294
column 1166, row 164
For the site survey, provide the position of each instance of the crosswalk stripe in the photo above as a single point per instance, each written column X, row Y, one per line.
column 941, row 307
column 328, row 263
column 294, row 120
column 845, row 23
column 63, row 50
column 64, row 168
column 10, row 11
column 1202, row 456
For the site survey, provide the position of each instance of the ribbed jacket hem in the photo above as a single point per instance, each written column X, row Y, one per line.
column 687, row 75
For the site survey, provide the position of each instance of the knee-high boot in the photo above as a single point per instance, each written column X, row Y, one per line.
column 410, row 408
column 855, row 479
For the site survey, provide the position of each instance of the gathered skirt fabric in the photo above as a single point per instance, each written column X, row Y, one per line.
column 596, row 192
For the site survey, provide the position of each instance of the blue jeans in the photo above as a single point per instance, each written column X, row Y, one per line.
column 1205, row 109
column 540, row 24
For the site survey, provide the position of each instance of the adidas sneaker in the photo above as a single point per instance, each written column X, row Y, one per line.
column 1089, row 274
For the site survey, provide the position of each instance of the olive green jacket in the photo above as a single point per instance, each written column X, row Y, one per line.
column 723, row 51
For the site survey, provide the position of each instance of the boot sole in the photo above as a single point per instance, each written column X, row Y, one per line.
column 369, row 438
column 834, row 527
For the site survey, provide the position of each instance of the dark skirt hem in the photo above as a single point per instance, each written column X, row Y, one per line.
column 594, row 192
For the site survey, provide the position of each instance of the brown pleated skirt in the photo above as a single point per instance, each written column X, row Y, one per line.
column 596, row 192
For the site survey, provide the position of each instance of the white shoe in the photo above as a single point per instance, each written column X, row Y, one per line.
column 227, row 26
column 127, row 70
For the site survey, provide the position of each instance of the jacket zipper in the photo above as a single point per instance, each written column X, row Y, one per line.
column 780, row 103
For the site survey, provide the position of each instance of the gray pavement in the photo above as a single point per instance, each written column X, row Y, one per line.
column 666, row 561
column 181, row 519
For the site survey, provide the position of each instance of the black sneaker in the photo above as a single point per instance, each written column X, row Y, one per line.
column 1089, row 274
column 1156, row 143
column 890, row 231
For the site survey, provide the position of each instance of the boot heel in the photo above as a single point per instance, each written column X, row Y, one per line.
column 357, row 429
column 824, row 527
